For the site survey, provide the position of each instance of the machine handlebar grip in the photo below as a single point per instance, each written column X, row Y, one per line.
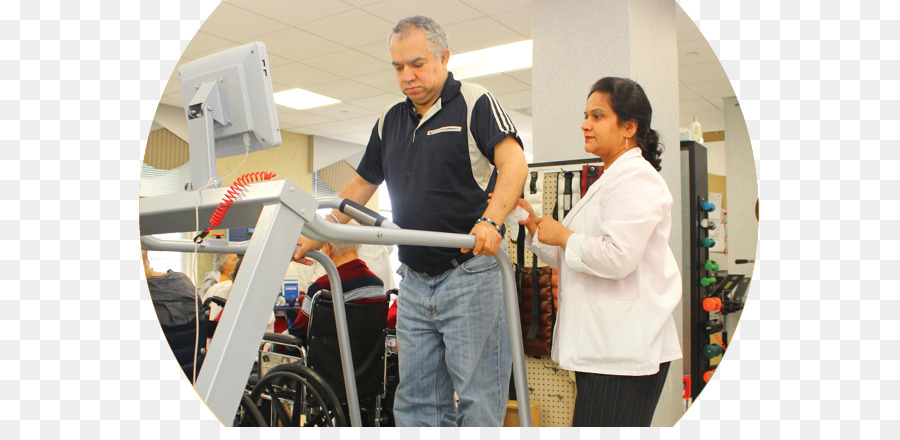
column 363, row 215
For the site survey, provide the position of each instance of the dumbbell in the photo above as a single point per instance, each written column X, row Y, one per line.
column 708, row 206
column 713, row 326
column 712, row 350
column 708, row 281
column 708, row 224
column 711, row 266
column 708, row 375
column 707, row 242
column 712, row 304
column 732, row 306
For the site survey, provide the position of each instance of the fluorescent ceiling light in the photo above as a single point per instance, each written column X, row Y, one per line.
column 302, row 99
column 505, row 58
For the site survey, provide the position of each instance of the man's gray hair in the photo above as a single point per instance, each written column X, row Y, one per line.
column 435, row 34
column 343, row 248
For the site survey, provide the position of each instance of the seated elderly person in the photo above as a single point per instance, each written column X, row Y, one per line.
column 176, row 303
column 360, row 285
column 223, row 266
column 223, row 290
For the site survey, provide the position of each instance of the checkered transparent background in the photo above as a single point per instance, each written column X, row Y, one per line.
column 817, row 351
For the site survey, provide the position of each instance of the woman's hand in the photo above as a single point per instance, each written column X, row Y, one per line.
column 532, row 221
column 552, row 232
column 532, row 217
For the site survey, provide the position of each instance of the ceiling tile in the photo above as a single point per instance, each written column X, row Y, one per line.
column 296, row 45
column 361, row 3
column 378, row 50
column 173, row 86
column 718, row 89
column 384, row 80
column 315, row 130
column 300, row 75
column 703, row 72
column 349, row 63
column 173, row 99
column 298, row 118
column 703, row 53
column 235, row 24
column 351, row 28
column 472, row 35
column 293, row 130
column 363, row 124
column 204, row 43
column 518, row 20
column 685, row 93
column 292, row 12
column 708, row 92
column 688, row 94
column 444, row 12
column 691, row 107
column 523, row 75
column 181, row 61
column 341, row 111
column 278, row 87
column 359, row 138
column 377, row 103
column 500, row 84
column 345, row 90
column 497, row 6
column 515, row 100
column 275, row 60
column 363, row 77
column 356, row 125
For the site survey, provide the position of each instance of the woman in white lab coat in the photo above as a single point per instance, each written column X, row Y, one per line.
column 619, row 281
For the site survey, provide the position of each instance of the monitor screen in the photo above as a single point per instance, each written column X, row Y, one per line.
column 245, row 85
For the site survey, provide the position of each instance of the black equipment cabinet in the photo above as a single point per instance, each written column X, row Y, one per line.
column 695, row 191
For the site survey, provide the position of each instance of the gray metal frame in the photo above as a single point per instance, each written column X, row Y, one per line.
column 205, row 108
column 281, row 211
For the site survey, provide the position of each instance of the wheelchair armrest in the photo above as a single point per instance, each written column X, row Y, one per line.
column 283, row 339
column 214, row 299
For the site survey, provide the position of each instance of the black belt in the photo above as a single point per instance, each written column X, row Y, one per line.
column 567, row 192
column 443, row 267
column 535, row 282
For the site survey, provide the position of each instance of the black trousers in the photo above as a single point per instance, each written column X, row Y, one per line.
column 608, row 400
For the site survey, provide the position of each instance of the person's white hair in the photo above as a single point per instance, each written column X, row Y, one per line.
column 343, row 248
column 219, row 261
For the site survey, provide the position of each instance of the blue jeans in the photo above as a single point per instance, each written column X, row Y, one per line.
column 452, row 336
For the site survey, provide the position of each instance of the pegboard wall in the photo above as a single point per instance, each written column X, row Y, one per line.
column 553, row 388
column 548, row 385
column 551, row 183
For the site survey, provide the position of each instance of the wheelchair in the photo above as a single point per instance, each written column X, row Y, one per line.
column 300, row 383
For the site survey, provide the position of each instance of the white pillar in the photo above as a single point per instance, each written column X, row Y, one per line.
column 577, row 42
column 740, row 183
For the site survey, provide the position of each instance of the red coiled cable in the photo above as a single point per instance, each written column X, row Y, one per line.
column 234, row 193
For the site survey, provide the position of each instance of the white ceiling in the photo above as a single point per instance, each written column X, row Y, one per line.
column 338, row 48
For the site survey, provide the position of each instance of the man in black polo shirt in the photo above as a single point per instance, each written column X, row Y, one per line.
column 442, row 151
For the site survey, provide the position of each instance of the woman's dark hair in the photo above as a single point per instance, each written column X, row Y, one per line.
column 629, row 101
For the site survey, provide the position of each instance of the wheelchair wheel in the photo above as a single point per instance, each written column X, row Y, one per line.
column 248, row 414
column 294, row 395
